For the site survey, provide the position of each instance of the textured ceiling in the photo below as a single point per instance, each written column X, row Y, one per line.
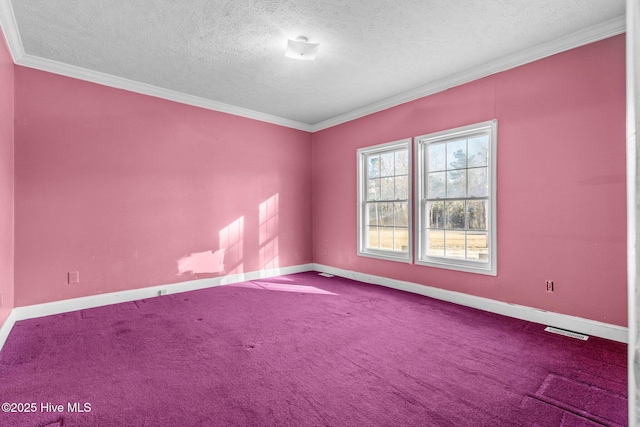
column 232, row 52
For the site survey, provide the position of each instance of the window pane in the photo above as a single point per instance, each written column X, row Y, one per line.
column 478, row 183
column 401, row 213
column 402, row 188
column 387, row 164
column 435, row 240
column 436, row 187
column 478, row 151
column 455, row 206
column 373, row 166
column 454, row 244
column 477, row 214
column 401, row 240
column 402, row 162
column 454, row 214
column 372, row 214
column 436, row 157
column 373, row 189
column 386, row 238
column 373, row 240
column 457, row 183
column 386, row 214
column 457, row 154
column 387, row 188
column 384, row 211
column 436, row 214
column 477, row 246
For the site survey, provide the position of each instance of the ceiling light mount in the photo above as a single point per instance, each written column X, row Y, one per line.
column 300, row 48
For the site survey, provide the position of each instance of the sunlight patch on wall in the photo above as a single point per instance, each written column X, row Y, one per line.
column 268, row 232
column 203, row 262
column 231, row 241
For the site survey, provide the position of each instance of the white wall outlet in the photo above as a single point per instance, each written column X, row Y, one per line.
column 74, row 277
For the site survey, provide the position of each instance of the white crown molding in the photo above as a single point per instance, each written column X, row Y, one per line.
column 158, row 92
column 12, row 34
column 10, row 29
column 530, row 314
column 593, row 34
column 598, row 32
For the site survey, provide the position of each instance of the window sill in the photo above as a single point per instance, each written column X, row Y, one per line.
column 467, row 267
column 387, row 256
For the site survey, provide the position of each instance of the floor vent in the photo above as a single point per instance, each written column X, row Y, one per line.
column 325, row 275
column 570, row 334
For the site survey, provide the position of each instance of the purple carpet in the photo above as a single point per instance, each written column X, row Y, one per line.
column 305, row 350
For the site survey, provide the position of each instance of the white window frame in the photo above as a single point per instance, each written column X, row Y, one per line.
column 362, row 202
column 489, row 267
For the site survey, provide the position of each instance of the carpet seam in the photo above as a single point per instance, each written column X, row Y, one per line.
column 575, row 411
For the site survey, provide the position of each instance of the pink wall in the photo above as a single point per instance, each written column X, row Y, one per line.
column 133, row 191
column 6, row 180
column 561, row 182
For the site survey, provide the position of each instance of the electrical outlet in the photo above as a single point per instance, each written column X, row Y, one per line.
column 74, row 277
column 550, row 285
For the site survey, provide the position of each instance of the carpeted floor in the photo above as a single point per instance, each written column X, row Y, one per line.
column 305, row 350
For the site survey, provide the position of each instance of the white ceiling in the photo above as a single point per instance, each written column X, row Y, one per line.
column 229, row 55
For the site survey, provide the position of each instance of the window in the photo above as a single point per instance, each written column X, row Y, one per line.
column 456, row 190
column 384, row 201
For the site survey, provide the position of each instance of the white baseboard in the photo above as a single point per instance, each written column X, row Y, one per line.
column 572, row 323
column 6, row 327
column 74, row 304
column 563, row 321
column 65, row 306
